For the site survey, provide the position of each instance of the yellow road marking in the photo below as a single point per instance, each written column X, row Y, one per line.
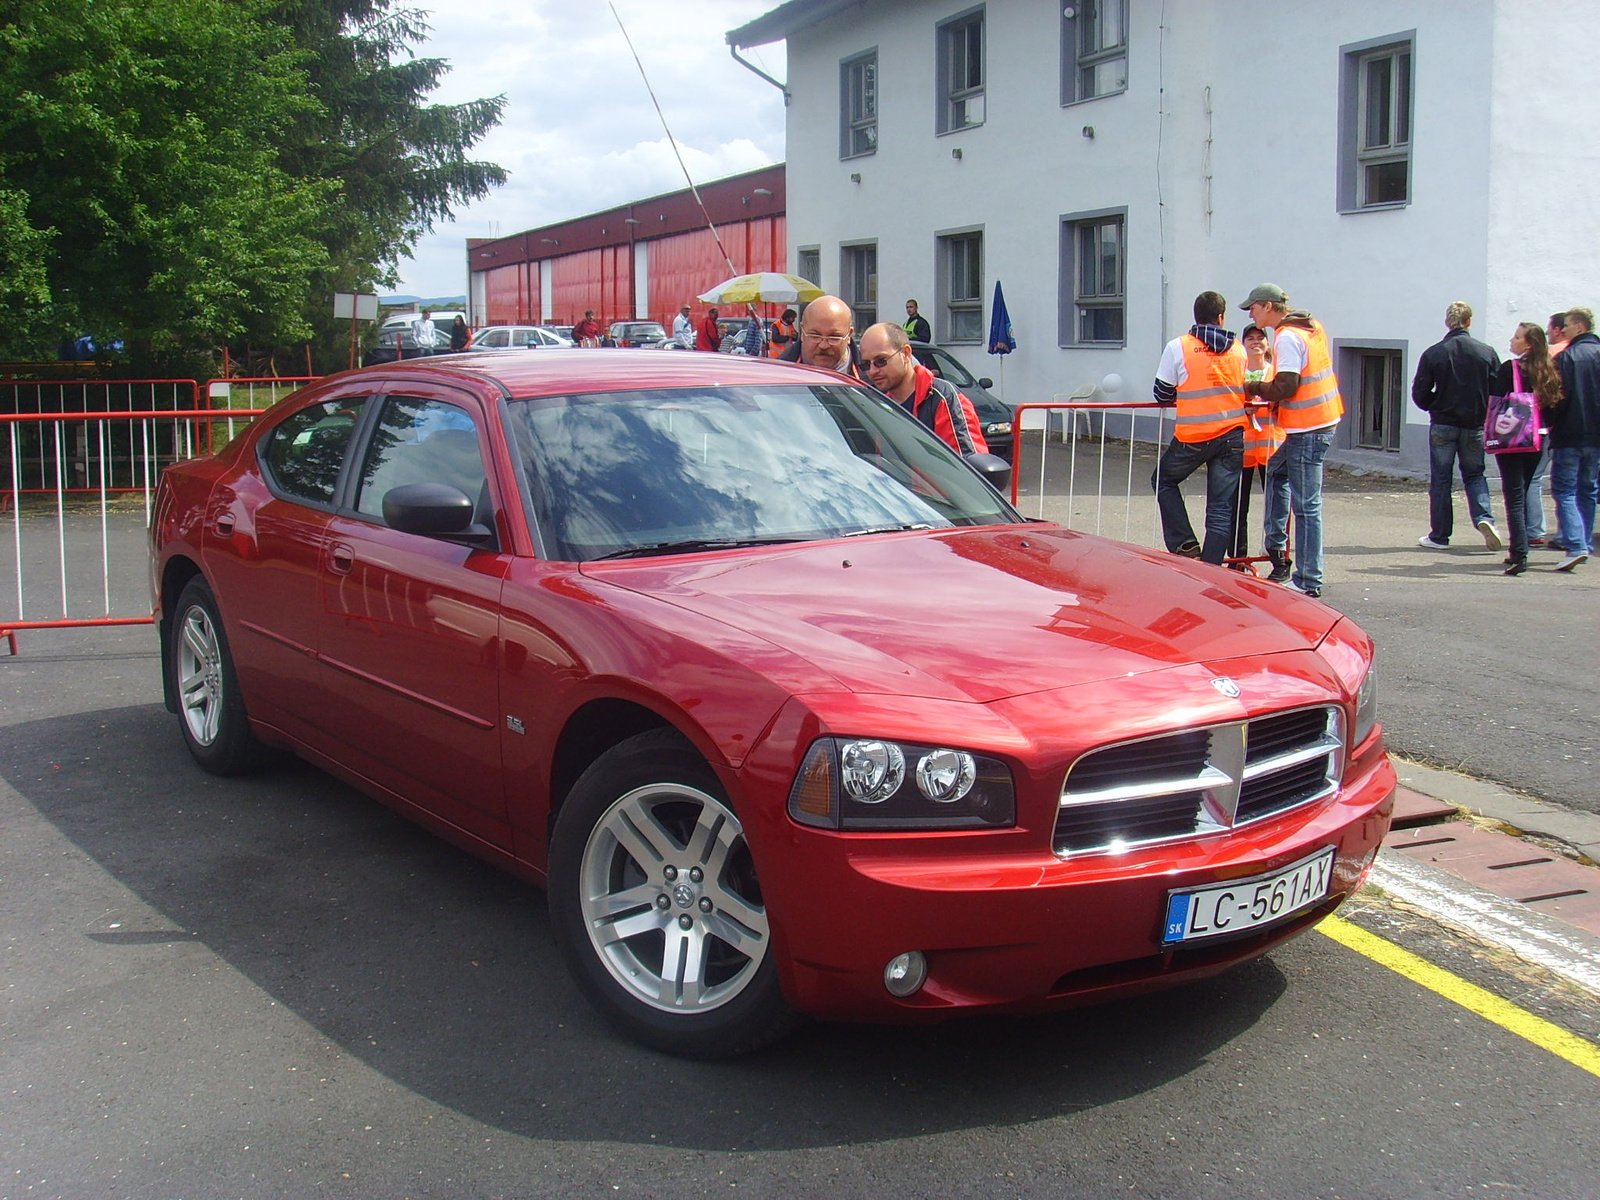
column 1470, row 996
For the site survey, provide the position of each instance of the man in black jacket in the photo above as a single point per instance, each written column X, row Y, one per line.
column 1575, row 439
column 1452, row 387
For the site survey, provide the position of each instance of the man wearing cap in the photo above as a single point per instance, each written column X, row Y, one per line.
column 683, row 330
column 1306, row 393
column 1202, row 373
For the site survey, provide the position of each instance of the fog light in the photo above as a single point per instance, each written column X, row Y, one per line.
column 905, row 973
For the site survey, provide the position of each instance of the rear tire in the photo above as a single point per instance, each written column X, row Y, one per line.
column 211, row 710
column 655, row 905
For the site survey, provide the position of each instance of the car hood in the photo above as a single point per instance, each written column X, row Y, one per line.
column 980, row 614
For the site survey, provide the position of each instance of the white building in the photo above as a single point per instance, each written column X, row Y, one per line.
column 1108, row 160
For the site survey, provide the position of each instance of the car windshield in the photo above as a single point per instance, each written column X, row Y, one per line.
column 620, row 474
column 951, row 369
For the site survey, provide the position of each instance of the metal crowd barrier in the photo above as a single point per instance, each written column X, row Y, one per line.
column 78, row 488
column 1086, row 464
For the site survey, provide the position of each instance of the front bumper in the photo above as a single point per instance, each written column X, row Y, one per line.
column 1008, row 926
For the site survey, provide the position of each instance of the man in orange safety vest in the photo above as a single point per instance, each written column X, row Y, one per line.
column 1202, row 373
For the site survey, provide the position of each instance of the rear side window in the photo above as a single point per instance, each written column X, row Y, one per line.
column 303, row 454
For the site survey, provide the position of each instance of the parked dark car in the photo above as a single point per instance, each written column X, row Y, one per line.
column 643, row 335
column 993, row 414
column 786, row 707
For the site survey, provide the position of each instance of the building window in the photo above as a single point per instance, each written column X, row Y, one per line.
column 961, row 286
column 1093, row 279
column 1375, row 98
column 858, row 105
column 859, row 269
column 1094, row 49
column 808, row 263
column 961, row 72
column 1380, row 399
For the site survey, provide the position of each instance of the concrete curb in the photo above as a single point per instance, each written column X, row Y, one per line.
column 1560, row 948
column 1580, row 830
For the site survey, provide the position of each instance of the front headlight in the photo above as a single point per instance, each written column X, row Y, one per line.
column 869, row 783
column 1366, row 706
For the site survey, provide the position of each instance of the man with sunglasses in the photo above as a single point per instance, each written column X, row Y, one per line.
column 894, row 371
column 825, row 338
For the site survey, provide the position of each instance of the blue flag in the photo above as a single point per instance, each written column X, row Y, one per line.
column 1001, row 340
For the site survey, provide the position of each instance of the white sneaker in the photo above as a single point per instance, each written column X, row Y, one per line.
column 1570, row 561
column 1427, row 540
column 1491, row 535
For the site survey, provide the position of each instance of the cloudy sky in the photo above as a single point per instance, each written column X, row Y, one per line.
column 579, row 132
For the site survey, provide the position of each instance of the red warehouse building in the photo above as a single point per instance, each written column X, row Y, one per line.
column 637, row 261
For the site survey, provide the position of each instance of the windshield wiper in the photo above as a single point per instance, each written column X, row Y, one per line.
column 692, row 544
column 886, row 529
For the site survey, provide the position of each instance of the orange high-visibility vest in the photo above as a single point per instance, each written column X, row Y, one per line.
column 776, row 348
column 1211, row 396
column 1316, row 403
column 1262, row 433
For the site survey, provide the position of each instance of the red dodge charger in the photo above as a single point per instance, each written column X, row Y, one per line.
column 786, row 707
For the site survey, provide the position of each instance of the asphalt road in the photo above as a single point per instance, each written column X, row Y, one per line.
column 274, row 987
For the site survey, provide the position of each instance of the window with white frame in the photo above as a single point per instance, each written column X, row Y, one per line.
column 1094, row 49
column 1094, row 269
column 808, row 263
column 1379, row 375
column 859, row 269
column 961, row 71
column 961, row 286
column 858, row 105
column 1375, row 103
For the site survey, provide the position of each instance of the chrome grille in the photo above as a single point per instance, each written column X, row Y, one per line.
column 1199, row 781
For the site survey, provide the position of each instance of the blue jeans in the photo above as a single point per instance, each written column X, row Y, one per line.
column 1294, row 482
column 1446, row 445
column 1223, row 457
column 1574, row 480
column 1536, row 498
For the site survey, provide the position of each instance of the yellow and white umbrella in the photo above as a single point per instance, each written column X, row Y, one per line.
column 763, row 287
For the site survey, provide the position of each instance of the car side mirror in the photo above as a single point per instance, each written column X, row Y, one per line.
column 434, row 510
column 986, row 383
column 995, row 470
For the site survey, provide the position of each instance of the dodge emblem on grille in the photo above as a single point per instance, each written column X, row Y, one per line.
column 1226, row 686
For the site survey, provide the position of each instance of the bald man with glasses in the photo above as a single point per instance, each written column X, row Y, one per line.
column 826, row 339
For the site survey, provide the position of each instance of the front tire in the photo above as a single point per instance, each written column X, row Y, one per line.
column 656, row 906
column 210, row 709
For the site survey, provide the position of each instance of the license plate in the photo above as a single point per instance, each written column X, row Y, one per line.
column 1244, row 904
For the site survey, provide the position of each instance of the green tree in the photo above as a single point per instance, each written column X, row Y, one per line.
column 184, row 173
column 145, row 137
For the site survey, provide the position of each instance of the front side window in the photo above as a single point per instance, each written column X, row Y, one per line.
column 963, row 286
column 961, row 72
column 419, row 441
column 1094, row 49
column 680, row 470
column 858, row 105
column 303, row 455
column 1094, row 260
column 1375, row 136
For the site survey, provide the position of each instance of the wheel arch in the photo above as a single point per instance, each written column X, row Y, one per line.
column 175, row 576
column 590, row 731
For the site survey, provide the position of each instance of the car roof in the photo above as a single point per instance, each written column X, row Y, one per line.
column 581, row 371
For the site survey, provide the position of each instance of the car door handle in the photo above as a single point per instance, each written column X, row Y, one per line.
column 341, row 559
column 225, row 525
